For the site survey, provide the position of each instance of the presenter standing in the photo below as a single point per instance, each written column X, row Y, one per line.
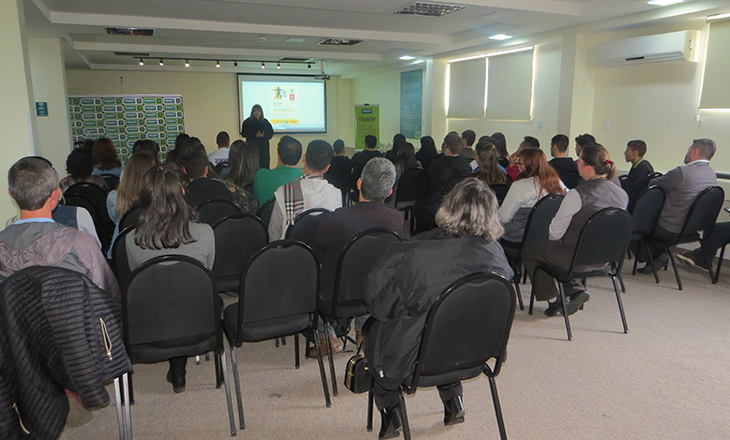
column 258, row 130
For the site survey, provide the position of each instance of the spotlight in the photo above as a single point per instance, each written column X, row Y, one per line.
column 309, row 66
column 187, row 63
column 235, row 64
column 162, row 63
column 263, row 66
column 217, row 64
column 278, row 66
column 141, row 62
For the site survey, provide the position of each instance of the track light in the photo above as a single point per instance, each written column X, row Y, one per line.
column 235, row 64
column 217, row 64
column 263, row 66
column 278, row 65
column 162, row 63
column 187, row 63
column 141, row 62
column 309, row 66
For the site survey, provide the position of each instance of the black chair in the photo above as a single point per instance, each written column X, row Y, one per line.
column 719, row 264
column 277, row 297
column 171, row 308
column 571, row 179
column 213, row 211
column 412, row 186
column 82, row 201
column 264, row 212
column 305, row 228
column 700, row 217
column 355, row 263
column 467, row 326
column 120, row 261
column 537, row 229
column 237, row 237
column 629, row 185
column 112, row 180
column 603, row 240
column 448, row 186
column 339, row 176
column 500, row 190
column 97, row 195
column 129, row 219
column 645, row 215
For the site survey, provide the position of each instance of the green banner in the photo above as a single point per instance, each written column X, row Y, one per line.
column 367, row 121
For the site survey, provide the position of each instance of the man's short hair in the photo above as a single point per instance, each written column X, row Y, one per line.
column 378, row 178
column 531, row 142
column 146, row 145
column 371, row 142
column 469, row 136
column 222, row 139
column 31, row 181
column 706, row 147
column 561, row 142
column 585, row 139
column 339, row 146
column 452, row 142
column 319, row 155
column 194, row 162
column 638, row 146
column 290, row 150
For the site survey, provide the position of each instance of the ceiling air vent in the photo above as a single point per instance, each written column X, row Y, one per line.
column 340, row 42
column 295, row 59
column 132, row 54
column 130, row 31
column 429, row 9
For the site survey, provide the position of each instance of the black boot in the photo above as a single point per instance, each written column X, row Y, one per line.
column 176, row 374
column 454, row 411
column 389, row 422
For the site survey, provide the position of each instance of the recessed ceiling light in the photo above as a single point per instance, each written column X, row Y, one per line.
column 664, row 2
column 162, row 63
column 187, row 63
column 407, row 57
column 500, row 37
column 217, row 64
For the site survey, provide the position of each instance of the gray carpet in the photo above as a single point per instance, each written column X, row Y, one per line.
column 666, row 379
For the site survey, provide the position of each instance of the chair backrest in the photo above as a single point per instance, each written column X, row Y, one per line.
column 112, row 180
column 604, row 239
column 500, row 190
column 537, row 227
column 305, row 228
column 468, row 325
column 647, row 208
column 571, row 179
column 339, row 174
column 355, row 263
column 120, row 261
column 129, row 219
column 264, row 212
column 280, row 280
column 95, row 193
column 237, row 237
column 702, row 215
column 170, row 308
column 448, row 186
column 85, row 202
column 213, row 211
column 412, row 186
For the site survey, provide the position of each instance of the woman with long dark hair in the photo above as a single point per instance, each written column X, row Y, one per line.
column 168, row 225
column 427, row 154
column 536, row 180
column 487, row 158
column 243, row 160
column 258, row 130
column 502, row 148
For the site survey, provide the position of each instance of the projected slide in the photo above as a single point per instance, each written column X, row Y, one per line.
column 291, row 104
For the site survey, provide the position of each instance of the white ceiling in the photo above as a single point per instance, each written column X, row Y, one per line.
column 232, row 29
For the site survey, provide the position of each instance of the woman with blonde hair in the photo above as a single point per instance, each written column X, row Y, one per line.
column 257, row 129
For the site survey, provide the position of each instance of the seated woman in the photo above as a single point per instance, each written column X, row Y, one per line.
column 168, row 225
column 105, row 158
column 536, row 180
column 427, row 153
column 80, row 166
column 502, row 149
column 596, row 192
column 405, row 161
column 408, row 279
column 243, row 161
column 489, row 170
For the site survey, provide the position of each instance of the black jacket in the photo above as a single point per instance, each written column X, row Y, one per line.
column 404, row 284
column 58, row 331
column 443, row 169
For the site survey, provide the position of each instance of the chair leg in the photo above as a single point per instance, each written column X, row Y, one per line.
column 207, row 356
column 127, row 384
column 369, row 426
column 708, row 260
column 719, row 264
column 130, row 392
column 283, row 341
column 121, row 426
column 620, row 305
column 519, row 294
column 296, row 351
column 621, row 280
column 497, row 408
column 237, row 384
column 636, row 263
column 332, row 362
column 226, row 384
column 218, row 373
column 565, row 310
column 651, row 262
column 276, row 342
column 322, row 374
column 674, row 266
column 404, row 415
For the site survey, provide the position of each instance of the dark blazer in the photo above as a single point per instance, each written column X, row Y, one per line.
column 444, row 169
column 567, row 169
column 203, row 189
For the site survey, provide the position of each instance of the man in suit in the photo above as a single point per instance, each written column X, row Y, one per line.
column 682, row 185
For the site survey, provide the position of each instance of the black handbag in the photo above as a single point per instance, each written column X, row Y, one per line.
column 357, row 374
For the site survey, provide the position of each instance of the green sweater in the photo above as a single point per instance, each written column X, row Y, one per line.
column 268, row 181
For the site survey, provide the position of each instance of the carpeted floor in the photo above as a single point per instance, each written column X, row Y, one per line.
column 666, row 379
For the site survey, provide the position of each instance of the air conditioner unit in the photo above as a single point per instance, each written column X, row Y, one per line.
column 681, row 45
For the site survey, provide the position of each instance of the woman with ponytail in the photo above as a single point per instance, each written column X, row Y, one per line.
column 595, row 193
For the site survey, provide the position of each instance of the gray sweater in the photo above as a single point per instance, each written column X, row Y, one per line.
column 202, row 249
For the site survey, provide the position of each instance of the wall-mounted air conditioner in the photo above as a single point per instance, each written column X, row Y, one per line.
column 681, row 45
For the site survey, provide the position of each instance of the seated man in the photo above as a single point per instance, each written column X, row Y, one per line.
column 564, row 165
column 359, row 160
column 640, row 172
column 468, row 138
column 718, row 238
column 220, row 155
column 288, row 153
column 451, row 165
column 340, row 172
column 36, row 240
column 527, row 142
column 338, row 229
column 682, row 185
column 201, row 188
column 306, row 192
column 409, row 278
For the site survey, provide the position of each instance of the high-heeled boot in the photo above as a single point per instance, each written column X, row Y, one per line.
column 389, row 422
column 454, row 411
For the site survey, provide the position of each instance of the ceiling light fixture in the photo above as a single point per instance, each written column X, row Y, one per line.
column 235, row 64
column 407, row 57
column 162, row 63
column 141, row 62
column 278, row 65
column 309, row 66
column 718, row 16
column 217, row 64
column 500, row 37
column 187, row 63
column 664, row 2
column 263, row 66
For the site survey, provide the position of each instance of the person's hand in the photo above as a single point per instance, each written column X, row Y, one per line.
column 512, row 159
column 260, row 134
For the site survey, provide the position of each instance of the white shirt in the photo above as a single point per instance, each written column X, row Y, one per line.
column 523, row 193
column 218, row 156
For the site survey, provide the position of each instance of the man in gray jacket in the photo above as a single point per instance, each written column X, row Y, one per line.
column 682, row 185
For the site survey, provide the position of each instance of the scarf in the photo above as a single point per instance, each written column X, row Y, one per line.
column 294, row 199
